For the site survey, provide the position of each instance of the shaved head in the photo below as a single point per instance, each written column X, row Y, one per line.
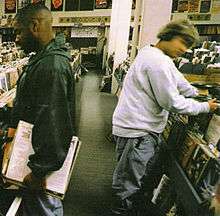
column 33, row 27
column 33, row 11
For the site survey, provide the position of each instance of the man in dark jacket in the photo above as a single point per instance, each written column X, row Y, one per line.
column 45, row 98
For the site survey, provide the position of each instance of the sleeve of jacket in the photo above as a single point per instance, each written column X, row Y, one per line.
column 53, row 127
column 17, row 104
column 165, row 89
column 14, row 114
column 184, row 86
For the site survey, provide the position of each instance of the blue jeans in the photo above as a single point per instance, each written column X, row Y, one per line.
column 140, row 165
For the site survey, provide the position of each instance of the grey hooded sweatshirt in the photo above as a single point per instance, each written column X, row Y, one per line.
column 152, row 88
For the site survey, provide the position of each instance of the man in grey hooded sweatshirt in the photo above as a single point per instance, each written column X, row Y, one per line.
column 152, row 88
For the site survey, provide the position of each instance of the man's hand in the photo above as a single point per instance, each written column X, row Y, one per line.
column 34, row 183
column 213, row 105
column 11, row 132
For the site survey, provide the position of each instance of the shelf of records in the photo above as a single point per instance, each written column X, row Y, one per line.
column 9, row 74
column 194, row 143
column 119, row 74
column 9, row 52
column 105, row 85
column 76, row 63
column 201, row 60
column 88, row 50
column 121, row 71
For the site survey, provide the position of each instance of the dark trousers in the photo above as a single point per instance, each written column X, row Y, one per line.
column 41, row 205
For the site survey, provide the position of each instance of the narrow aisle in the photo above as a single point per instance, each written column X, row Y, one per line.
column 89, row 192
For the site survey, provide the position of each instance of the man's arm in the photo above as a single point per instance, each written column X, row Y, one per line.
column 168, row 96
column 184, row 87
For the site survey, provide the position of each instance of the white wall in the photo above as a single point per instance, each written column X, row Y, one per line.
column 120, row 34
column 155, row 14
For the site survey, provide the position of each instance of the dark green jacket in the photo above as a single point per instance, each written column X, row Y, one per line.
column 45, row 98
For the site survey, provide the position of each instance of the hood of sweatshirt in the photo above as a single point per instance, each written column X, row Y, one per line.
column 55, row 47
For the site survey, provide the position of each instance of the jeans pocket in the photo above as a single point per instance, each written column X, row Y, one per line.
column 146, row 143
column 143, row 149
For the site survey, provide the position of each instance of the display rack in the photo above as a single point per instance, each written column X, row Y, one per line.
column 186, row 195
column 192, row 166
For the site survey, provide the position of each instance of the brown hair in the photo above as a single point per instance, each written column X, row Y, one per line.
column 182, row 28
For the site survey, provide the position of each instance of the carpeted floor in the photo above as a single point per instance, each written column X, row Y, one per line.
column 89, row 192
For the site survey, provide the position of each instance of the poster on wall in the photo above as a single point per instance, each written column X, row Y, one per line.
column 133, row 4
column 56, row 5
column 72, row 5
column 101, row 4
column 109, row 3
column 23, row 3
column 10, row 6
column 205, row 6
column 215, row 7
column 183, row 5
column 174, row 6
column 193, row 6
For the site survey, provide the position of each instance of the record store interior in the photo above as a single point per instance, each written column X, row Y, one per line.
column 132, row 85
